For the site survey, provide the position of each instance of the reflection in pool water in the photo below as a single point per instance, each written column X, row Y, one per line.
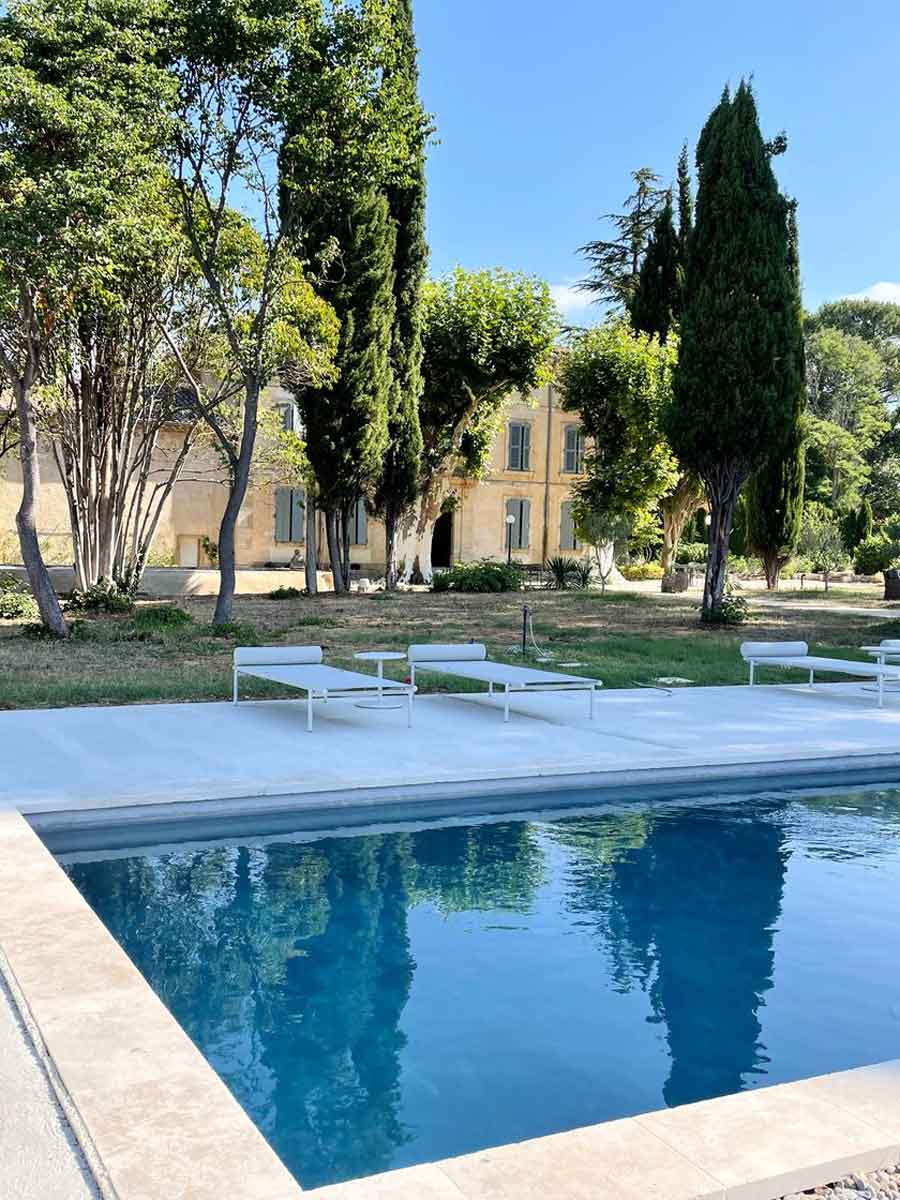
column 384, row 999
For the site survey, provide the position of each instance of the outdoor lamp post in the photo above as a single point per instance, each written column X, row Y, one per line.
column 708, row 522
column 510, row 521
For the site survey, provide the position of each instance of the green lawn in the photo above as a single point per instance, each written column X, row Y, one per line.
column 625, row 639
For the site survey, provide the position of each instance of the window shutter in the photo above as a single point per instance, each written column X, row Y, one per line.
column 283, row 515
column 526, row 448
column 525, row 525
column 567, row 538
column 298, row 514
column 512, row 532
column 515, row 446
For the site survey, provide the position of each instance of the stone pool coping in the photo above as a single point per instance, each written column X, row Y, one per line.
column 154, row 1117
column 159, row 1124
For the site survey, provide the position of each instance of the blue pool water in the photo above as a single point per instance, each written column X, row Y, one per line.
column 385, row 999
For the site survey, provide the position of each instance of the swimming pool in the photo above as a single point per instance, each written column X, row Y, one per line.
column 383, row 999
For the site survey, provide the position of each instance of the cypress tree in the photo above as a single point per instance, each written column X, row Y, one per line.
column 656, row 306
column 347, row 424
column 685, row 205
column 739, row 381
column 398, row 486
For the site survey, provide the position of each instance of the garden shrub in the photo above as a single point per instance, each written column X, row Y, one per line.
column 285, row 593
column 733, row 610
column 166, row 616
column 563, row 572
column 742, row 565
column 103, row 596
column 488, row 575
column 875, row 554
column 635, row 572
column 692, row 552
column 16, row 601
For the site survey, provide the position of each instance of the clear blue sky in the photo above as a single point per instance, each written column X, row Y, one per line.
column 544, row 106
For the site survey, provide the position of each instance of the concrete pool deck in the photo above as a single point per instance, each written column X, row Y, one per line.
column 98, row 758
column 158, row 1120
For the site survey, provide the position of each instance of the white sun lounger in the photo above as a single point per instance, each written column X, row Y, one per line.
column 302, row 667
column 796, row 655
column 470, row 661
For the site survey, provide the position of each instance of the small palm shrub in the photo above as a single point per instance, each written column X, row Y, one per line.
column 584, row 572
column 285, row 593
column 488, row 575
column 563, row 572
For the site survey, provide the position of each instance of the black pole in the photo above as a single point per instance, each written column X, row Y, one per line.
column 524, row 628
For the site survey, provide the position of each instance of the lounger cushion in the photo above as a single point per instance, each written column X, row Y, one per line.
column 461, row 652
column 774, row 649
column 276, row 656
column 890, row 644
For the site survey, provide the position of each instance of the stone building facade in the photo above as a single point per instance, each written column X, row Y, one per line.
column 536, row 458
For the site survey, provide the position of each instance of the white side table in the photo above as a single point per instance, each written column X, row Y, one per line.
column 380, row 657
column 884, row 656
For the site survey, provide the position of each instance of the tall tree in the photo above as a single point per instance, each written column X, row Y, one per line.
column 486, row 334
column 614, row 264
column 775, row 490
column 82, row 118
column 347, row 422
column 656, row 306
column 398, row 486
column 739, row 381
column 619, row 382
column 685, row 205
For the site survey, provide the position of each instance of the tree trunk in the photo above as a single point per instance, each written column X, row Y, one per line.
column 772, row 564
column 334, row 549
column 38, row 575
column 240, row 480
column 345, row 545
column 417, row 547
column 312, row 547
column 390, row 552
column 722, row 489
column 680, row 504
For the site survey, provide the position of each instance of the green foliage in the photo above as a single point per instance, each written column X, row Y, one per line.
column 398, row 484
column 847, row 415
column 732, row 610
column 16, row 601
column 692, row 552
column 634, row 572
column 103, row 596
column 563, row 572
column 486, row 334
column 619, row 383
column 877, row 322
column 165, row 616
column 774, row 505
column 488, row 575
column 738, row 385
column 346, row 424
column 876, row 553
column 615, row 264
column 656, row 305
column 857, row 524
column 584, row 572
column 685, row 207
column 820, row 539
column 285, row 593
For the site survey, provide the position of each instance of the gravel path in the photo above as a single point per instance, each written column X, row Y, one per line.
column 877, row 1185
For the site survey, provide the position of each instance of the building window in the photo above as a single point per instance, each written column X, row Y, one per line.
column 573, row 457
column 520, row 530
column 290, row 418
column 519, row 446
column 567, row 538
column 290, row 514
column 359, row 524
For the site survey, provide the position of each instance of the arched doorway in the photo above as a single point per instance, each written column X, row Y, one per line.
column 442, row 541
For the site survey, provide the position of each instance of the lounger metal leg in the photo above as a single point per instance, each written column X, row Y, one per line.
column 506, row 704
column 234, row 698
column 752, row 666
column 490, row 687
column 409, row 709
column 309, row 698
column 811, row 678
column 591, row 704
column 881, row 691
